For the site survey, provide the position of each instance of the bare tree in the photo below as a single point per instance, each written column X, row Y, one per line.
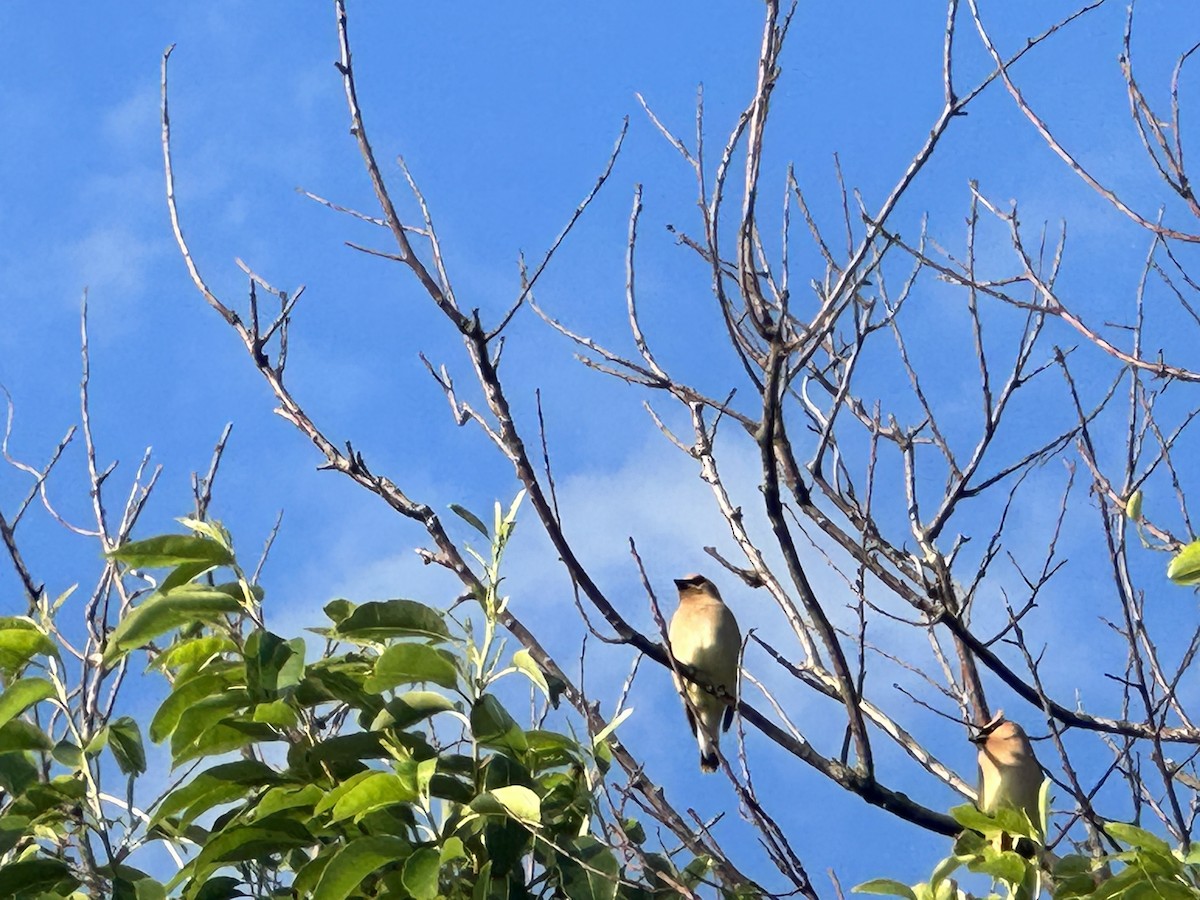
column 870, row 468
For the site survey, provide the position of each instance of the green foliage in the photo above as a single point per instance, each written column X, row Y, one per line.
column 1006, row 849
column 384, row 763
column 1184, row 567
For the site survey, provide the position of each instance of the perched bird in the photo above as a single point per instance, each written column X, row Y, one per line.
column 1009, row 772
column 704, row 635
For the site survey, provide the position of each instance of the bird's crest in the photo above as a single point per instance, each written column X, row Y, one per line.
column 982, row 731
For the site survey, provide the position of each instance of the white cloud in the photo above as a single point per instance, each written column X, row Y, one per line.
column 133, row 121
column 111, row 261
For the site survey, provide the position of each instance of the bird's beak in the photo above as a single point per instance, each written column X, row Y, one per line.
column 681, row 583
column 979, row 738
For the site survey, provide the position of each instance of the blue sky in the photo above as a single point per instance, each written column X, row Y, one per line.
column 505, row 114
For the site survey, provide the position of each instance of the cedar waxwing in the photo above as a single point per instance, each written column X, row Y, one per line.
column 1009, row 773
column 704, row 635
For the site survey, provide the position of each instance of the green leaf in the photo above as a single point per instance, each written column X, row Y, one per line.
column 160, row 613
column 17, row 734
column 1006, row 819
column 239, row 843
column 885, row 886
column 12, row 830
column 222, row 737
column 603, row 754
column 204, row 715
column 20, row 640
column 944, row 870
column 612, row 726
column 523, row 661
column 483, row 881
column 1006, row 866
column 285, row 797
column 187, row 693
column 449, row 787
column 214, row 786
column 125, row 740
column 381, row 620
column 355, row 861
column 273, row 664
column 494, row 727
column 169, row 550
column 1137, row 837
column 1133, row 507
column 590, row 871
column 38, row 874
column 514, row 800
column 21, row 695
column 633, row 830
column 377, row 790
column 338, row 610
column 184, row 574
column 1185, row 567
column 549, row 749
column 420, row 877
column 17, row 773
column 68, row 754
column 410, row 663
column 277, row 712
column 470, row 518
column 193, row 652
column 410, row 708
column 452, row 849
column 224, row 887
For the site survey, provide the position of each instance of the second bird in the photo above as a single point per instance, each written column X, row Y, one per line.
column 1009, row 772
column 705, row 635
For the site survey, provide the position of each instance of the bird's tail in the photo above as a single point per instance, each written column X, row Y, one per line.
column 708, row 751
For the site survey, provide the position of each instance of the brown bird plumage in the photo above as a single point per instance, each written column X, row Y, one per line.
column 705, row 635
column 1009, row 772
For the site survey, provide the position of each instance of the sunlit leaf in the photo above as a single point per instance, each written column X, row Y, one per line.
column 1006, row 866
column 276, row 712
column 377, row 790
column 160, row 613
column 1137, row 837
column 1185, row 567
column 347, row 867
column 885, row 886
column 514, row 800
column 20, row 640
column 22, row 694
column 169, row 550
column 523, row 661
column 17, row 734
column 193, row 651
column 1005, row 819
column 215, row 786
column 410, row 708
column 409, row 664
column 186, row 694
column 285, row 797
column 420, row 877
column 1133, row 506
column 381, row 620
column 612, row 726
